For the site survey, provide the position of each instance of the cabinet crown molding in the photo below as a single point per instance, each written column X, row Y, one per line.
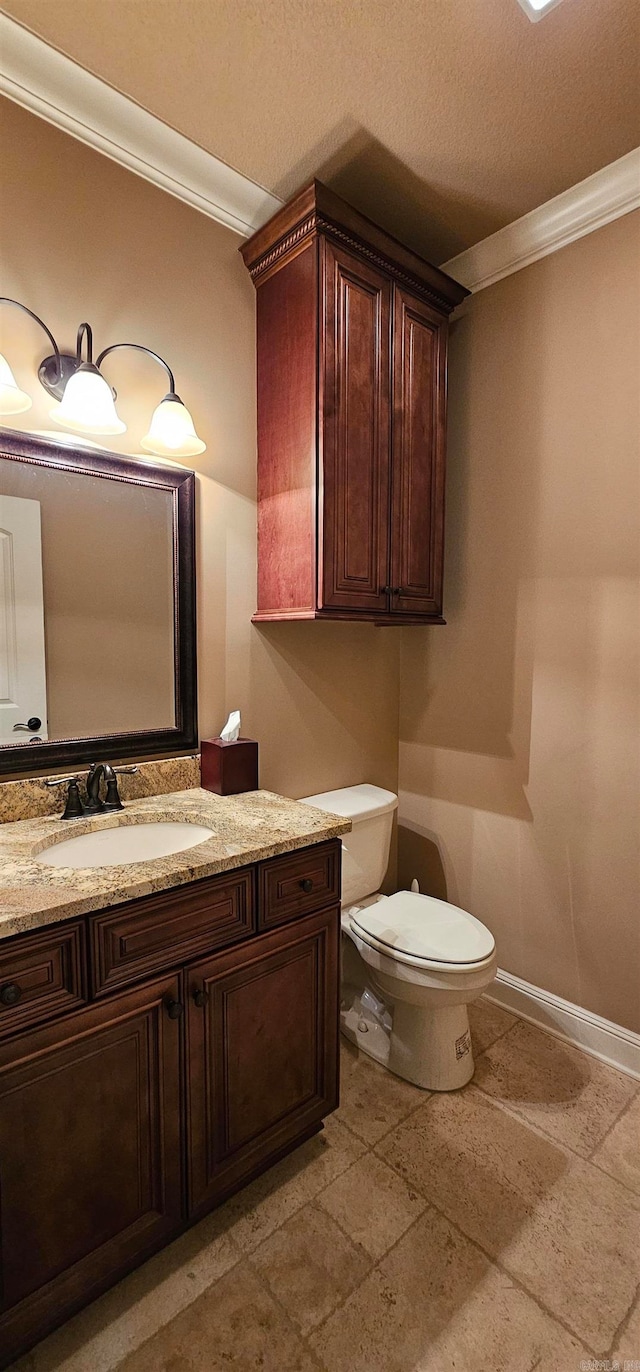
column 317, row 209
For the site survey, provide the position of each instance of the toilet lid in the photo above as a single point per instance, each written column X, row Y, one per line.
column 424, row 927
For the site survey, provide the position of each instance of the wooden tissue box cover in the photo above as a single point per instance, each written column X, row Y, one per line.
column 229, row 768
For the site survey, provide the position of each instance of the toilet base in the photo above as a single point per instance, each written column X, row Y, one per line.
column 371, row 1038
column 430, row 1048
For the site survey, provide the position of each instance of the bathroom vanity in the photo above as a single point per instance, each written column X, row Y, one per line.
column 167, row 1031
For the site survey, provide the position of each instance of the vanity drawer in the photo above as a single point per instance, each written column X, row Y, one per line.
column 42, row 975
column 298, row 883
column 161, row 931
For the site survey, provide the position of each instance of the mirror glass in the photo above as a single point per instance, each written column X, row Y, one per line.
column 86, row 598
column 93, row 578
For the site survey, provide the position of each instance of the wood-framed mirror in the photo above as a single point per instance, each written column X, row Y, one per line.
column 97, row 606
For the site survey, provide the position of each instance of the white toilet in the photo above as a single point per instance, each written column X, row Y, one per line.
column 410, row 964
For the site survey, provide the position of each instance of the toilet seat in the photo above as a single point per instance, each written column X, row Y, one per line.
column 424, row 932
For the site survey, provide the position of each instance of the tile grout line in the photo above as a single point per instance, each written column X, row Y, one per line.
column 283, row 1311
column 522, row 1118
column 375, row 1263
column 176, row 1315
column 562, row 1147
column 425, row 1096
column 493, row 1262
column 503, row 1033
column 624, row 1321
column 624, row 1111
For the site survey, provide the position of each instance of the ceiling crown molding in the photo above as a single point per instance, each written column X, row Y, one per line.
column 50, row 85
column 47, row 83
column 608, row 194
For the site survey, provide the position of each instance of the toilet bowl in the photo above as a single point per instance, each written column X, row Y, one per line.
column 411, row 964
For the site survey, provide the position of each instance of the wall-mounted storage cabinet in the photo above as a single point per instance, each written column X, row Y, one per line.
column 352, row 366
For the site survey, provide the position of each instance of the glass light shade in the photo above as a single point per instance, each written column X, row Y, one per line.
column 12, row 399
column 87, row 404
column 171, row 431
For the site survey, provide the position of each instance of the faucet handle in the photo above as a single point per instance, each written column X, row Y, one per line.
column 74, row 808
column 112, row 799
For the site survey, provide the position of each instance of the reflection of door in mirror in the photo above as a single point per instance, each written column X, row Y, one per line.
column 108, row 591
column 23, row 691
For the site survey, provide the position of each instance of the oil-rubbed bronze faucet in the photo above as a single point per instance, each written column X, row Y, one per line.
column 112, row 800
column 92, row 803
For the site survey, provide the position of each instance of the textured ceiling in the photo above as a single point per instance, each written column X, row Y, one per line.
column 443, row 119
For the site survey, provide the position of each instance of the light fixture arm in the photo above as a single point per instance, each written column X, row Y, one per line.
column 6, row 300
column 84, row 332
column 140, row 348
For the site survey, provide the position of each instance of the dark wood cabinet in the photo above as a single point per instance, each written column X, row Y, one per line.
column 262, row 1033
column 89, row 1155
column 352, row 359
column 418, row 462
column 125, row 1117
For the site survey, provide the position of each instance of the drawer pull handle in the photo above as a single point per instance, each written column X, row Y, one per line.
column 10, row 994
column 307, row 885
column 200, row 998
column 174, row 1008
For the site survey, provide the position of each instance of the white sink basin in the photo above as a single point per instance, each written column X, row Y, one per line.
column 124, row 844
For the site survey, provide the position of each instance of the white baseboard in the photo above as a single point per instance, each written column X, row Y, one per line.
column 611, row 1043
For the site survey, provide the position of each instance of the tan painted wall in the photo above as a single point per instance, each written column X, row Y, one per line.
column 519, row 730
column 518, row 735
column 82, row 239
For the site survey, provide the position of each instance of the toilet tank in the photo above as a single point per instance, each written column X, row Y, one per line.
column 365, row 851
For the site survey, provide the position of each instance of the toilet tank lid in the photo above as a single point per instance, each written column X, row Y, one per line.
column 354, row 802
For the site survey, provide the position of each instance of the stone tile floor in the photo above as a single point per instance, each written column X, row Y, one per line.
column 494, row 1229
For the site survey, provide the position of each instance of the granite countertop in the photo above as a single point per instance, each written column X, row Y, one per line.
column 248, row 828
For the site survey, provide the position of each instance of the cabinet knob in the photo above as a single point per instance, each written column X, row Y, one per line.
column 174, row 1008
column 200, row 998
column 307, row 885
column 10, row 994
column 391, row 590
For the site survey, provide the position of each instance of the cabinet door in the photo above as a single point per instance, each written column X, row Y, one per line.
column 263, row 1052
column 89, row 1155
column 355, row 421
column 418, row 465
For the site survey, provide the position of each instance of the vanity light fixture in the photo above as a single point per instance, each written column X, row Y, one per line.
column 12, row 399
column 86, row 401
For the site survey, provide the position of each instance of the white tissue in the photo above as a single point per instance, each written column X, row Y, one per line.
column 231, row 729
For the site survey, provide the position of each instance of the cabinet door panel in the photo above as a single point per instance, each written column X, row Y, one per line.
column 89, row 1155
column 354, row 494
column 262, row 1051
column 419, row 424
